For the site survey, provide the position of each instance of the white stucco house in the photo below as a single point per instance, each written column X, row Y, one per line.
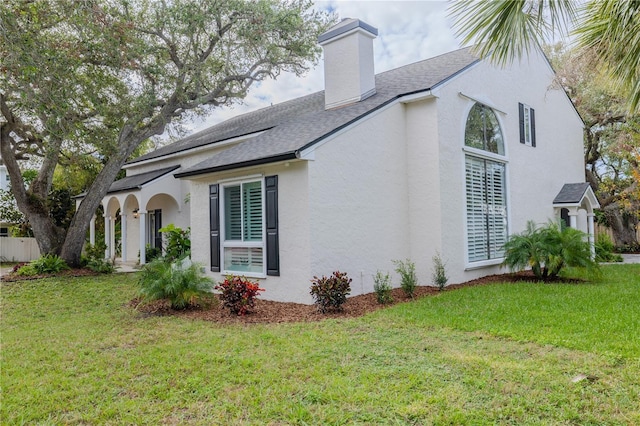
column 451, row 155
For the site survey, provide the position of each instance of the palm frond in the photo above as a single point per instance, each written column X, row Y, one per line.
column 612, row 29
column 505, row 30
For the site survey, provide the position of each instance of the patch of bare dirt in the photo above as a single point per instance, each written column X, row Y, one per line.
column 267, row 312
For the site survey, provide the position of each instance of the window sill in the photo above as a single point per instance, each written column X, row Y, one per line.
column 245, row 274
column 483, row 264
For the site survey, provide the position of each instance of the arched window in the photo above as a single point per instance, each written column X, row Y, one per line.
column 483, row 130
column 486, row 188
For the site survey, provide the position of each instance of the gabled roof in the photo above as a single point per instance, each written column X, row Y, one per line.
column 300, row 123
column 572, row 194
column 137, row 181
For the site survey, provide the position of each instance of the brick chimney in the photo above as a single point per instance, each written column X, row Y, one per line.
column 348, row 62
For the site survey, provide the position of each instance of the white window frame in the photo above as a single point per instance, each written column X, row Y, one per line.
column 494, row 260
column 242, row 244
column 528, row 128
column 491, row 156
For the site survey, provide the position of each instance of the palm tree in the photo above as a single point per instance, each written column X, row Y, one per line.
column 504, row 30
column 547, row 250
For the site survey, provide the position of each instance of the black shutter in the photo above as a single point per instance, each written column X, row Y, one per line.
column 156, row 229
column 214, row 226
column 521, row 114
column 532, row 117
column 273, row 251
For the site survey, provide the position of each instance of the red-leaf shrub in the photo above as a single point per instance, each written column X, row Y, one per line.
column 238, row 294
column 330, row 293
column 17, row 267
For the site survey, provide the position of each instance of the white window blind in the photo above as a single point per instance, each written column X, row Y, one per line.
column 252, row 209
column 243, row 246
column 486, row 208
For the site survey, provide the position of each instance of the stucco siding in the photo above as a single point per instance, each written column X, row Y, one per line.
column 534, row 174
column 424, row 188
column 293, row 220
column 359, row 204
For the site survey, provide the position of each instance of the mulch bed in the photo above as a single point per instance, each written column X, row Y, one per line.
column 270, row 312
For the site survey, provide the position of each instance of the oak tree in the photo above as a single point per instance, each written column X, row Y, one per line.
column 102, row 76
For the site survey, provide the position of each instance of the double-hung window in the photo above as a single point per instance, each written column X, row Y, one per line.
column 485, row 183
column 243, row 238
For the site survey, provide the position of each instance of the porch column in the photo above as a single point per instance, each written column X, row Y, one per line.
column 112, row 225
column 92, row 230
column 107, row 236
column 591, row 233
column 123, row 235
column 573, row 218
column 143, row 240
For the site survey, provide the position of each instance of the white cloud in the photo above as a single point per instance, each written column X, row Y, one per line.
column 408, row 31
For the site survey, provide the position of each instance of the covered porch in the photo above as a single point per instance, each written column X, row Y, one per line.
column 574, row 205
column 135, row 209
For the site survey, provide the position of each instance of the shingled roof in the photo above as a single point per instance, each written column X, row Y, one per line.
column 300, row 123
column 572, row 193
column 137, row 181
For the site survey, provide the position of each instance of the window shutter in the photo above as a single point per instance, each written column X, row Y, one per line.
column 533, row 126
column 496, row 208
column 521, row 115
column 232, row 213
column 476, row 205
column 214, row 226
column 486, row 208
column 252, row 210
column 157, row 235
column 271, row 203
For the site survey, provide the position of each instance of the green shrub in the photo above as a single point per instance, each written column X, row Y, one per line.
column 101, row 266
column 152, row 253
column 94, row 258
column 26, row 270
column 95, row 251
column 17, row 266
column 49, row 264
column 439, row 273
column 238, row 294
column 182, row 283
column 177, row 242
column 605, row 250
column 382, row 287
column 407, row 271
column 547, row 250
column 330, row 293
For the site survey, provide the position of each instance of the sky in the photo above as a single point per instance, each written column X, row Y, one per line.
column 408, row 31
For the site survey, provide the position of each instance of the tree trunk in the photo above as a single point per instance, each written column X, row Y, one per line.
column 128, row 140
column 71, row 250
column 623, row 226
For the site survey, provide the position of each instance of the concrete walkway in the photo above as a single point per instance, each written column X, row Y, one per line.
column 631, row 258
column 126, row 267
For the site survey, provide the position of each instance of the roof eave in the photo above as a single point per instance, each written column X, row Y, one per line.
column 292, row 155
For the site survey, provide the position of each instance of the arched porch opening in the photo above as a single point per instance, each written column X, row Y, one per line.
column 112, row 227
column 573, row 201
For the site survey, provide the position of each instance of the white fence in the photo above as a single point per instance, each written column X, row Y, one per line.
column 18, row 249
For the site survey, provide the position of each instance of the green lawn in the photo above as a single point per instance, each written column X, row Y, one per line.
column 73, row 352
